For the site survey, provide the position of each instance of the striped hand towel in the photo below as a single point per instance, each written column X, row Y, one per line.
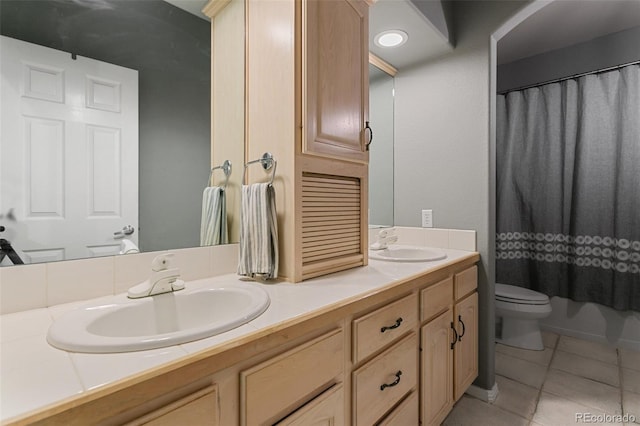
column 213, row 227
column 258, row 232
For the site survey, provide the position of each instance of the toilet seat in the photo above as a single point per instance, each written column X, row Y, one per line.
column 520, row 295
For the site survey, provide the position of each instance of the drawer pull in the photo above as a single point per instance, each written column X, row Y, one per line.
column 463, row 328
column 394, row 383
column 455, row 335
column 391, row 327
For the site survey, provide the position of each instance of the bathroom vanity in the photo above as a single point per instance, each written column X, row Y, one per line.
column 389, row 343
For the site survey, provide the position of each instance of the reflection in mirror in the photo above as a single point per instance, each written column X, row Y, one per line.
column 141, row 156
column 381, row 153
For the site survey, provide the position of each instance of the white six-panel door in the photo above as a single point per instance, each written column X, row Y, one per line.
column 68, row 153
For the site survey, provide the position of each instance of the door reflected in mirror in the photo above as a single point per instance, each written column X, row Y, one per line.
column 381, row 95
column 104, row 183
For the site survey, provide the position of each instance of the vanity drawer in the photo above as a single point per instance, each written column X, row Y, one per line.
column 280, row 385
column 466, row 282
column 436, row 298
column 385, row 380
column 381, row 327
column 404, row 414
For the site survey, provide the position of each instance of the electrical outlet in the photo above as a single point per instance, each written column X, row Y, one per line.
column 427, row 218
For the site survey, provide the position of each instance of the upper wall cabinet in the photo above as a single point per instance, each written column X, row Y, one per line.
column 307, row 104
column 335, row 78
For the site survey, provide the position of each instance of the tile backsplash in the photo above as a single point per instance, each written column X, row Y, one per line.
column 47, row 284
column 459, row 239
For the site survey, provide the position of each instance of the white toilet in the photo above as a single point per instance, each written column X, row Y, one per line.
column 519, row 310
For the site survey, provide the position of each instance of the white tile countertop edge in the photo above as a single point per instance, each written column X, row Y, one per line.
column 35, row 374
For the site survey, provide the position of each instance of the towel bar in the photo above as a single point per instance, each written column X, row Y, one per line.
column 226, row 169
column 267, row 162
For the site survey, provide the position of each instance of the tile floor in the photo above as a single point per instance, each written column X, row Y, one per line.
column 549, row 388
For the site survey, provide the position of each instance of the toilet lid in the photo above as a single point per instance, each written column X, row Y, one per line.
column 514, row 294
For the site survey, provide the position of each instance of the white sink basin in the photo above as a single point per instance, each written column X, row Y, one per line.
column 400, row 253
column 168, row 319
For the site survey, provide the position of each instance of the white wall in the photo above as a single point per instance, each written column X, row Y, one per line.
column 442, row 145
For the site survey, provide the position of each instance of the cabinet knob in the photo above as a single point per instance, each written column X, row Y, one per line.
column 391, row 327
column 392, row 384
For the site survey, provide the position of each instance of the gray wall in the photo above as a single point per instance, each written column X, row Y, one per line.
column 170, row 48
column 602, row 52
column 442, row 146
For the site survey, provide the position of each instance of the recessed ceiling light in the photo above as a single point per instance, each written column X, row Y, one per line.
column 391, row 38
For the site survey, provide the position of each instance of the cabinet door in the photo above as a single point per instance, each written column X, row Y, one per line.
column 325, row 410
column 336, row 73
column 466, row 350
column 437, row 369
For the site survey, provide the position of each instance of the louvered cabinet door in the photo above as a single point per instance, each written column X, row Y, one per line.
column 331, row 223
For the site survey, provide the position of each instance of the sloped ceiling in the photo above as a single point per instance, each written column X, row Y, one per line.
column 564, row 23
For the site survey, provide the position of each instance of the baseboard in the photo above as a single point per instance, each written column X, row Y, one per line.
column 486, row 395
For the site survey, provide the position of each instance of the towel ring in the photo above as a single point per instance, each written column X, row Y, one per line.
column 267, row 162
column 226, row 169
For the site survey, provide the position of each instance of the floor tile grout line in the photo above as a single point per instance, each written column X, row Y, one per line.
column 619, row 356
column 616, row 364
column 506, row 409
column 546, row 375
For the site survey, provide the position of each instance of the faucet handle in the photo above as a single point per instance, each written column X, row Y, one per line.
column 386, row 232
column 162, row 262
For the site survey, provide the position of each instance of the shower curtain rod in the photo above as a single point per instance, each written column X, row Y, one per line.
column 558, row 80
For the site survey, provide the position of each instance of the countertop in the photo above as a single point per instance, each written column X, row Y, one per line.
column 35, row 374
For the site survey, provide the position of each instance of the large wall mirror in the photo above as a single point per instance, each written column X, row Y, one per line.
column 381, row 94
column 109, row 102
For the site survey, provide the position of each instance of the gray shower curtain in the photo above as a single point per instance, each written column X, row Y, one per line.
column 568, row 188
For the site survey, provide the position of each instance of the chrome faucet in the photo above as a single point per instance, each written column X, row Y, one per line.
column 164, row 279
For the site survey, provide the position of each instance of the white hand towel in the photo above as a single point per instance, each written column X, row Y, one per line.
column 258, row 232
column 213, row 225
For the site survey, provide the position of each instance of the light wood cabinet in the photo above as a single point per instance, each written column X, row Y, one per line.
column 385, row 380
column 449, row 343
column 466, row 349
column 335, row 78
column 307, row 104
column 437, row 369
